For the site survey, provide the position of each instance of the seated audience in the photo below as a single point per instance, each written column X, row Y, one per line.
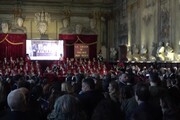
column 86, row 78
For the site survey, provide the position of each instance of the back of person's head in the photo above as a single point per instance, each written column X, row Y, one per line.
column 142, row 92
column 106, row 110
column 172, row 70
column 89, row 82
column 96, row 76
column 66, row 107
column 16, row 100
column 23, row 83
column 55, row 86
column 36, row 92
column 154, row 77
column 66, row 87
column 126, row 92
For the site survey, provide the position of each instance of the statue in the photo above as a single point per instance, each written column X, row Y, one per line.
column 169, row 52
column 5, row 27
column 93, row 29
column 78, row 29
column 129, row 54
column 42, row 28
column 153, row 52
column 42, row 19
column 143, row 53
column 66, row 26
column 113, row 54
column 160, row 52
column 100, row 56
column 19, row 28
column 135, row 51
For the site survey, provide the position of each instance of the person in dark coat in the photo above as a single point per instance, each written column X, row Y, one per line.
column 145, row 110
column 89, row 98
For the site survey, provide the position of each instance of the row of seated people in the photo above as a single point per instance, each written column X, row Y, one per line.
column 20, row 65
column 59, row 69
column 62, row 65
column 90, row 97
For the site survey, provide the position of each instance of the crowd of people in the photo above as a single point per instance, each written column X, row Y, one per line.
column 83, row 89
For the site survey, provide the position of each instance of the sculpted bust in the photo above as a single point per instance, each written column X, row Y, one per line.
column 66, row 26
column 78, row 29
column 42, row 27
column 135, row 53
column 19, row 28
column 129, row 54
column 168, row 48
column 143, row 53
column 20, row 22
column 93, row 29
column 143, row 50
column 160, row 51
column 169, row 52
column 5, row 27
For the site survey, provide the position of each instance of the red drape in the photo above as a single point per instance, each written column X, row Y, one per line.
column 12, row 45
column 69, row 40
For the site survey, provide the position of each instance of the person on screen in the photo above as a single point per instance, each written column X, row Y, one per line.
column 34, row 49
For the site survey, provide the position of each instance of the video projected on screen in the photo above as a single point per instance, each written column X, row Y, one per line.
column 44, row 49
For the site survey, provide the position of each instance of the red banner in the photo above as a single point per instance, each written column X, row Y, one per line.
column 81, row 51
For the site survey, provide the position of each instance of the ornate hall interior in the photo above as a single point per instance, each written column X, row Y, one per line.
column 132, row 30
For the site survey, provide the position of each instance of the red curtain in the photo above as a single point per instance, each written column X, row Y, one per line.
column 12, row 45
column 69, row 40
